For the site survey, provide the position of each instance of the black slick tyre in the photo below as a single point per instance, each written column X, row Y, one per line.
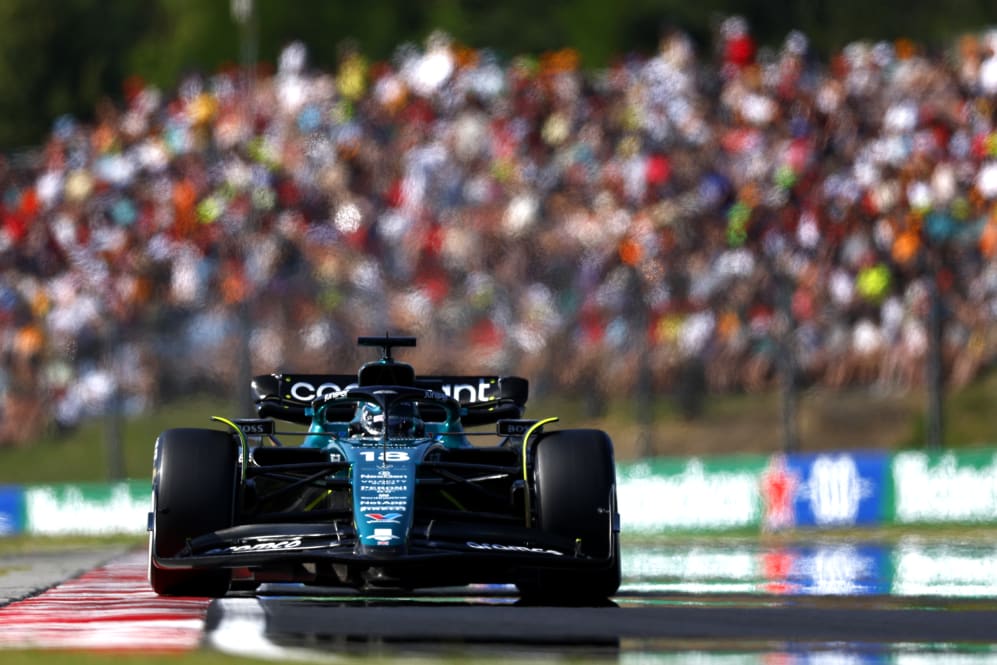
column 574, row 475
column 193, row 492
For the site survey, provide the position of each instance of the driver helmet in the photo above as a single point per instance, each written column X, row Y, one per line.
column 403, row 420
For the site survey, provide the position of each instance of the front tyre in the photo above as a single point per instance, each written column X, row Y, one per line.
column 574, row 476
column 193, row 492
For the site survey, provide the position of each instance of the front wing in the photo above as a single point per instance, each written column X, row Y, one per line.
column 435, row 554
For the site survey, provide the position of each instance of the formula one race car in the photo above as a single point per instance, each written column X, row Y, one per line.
column 385, row 490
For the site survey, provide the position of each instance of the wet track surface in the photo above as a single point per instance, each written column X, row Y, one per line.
column 644, row 617
column 911, row 601
column 632, row 626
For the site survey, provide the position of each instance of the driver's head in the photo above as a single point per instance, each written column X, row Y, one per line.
column 371, row 419
column 403, row 420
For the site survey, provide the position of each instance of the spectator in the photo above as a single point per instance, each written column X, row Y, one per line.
column 541, row 219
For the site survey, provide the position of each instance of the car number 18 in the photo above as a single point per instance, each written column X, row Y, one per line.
column 385, row 456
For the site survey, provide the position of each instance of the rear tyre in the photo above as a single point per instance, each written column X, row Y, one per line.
column 193, row 492
column 575, row 481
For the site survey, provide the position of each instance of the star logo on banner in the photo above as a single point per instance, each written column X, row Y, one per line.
column 779, row 485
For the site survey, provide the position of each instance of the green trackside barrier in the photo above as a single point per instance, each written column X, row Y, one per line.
column 87, row 508
column 691, row 494
column 944, row 487
column 710, row 495
column 656, row 496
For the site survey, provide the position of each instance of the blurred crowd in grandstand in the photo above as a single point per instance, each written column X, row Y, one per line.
column 681, row 209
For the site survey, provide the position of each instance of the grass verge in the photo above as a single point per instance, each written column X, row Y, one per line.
column 729, row 424
column 29, row 544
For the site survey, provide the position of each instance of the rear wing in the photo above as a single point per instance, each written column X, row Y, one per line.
column 483, row 399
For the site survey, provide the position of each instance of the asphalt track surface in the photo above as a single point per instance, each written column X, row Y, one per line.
column 282, row 620
column 627, row 617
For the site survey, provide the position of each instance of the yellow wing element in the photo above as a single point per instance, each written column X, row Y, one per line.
column 242, row 440
column 537, row 427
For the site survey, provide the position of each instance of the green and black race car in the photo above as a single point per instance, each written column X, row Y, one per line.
column 394, row 481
